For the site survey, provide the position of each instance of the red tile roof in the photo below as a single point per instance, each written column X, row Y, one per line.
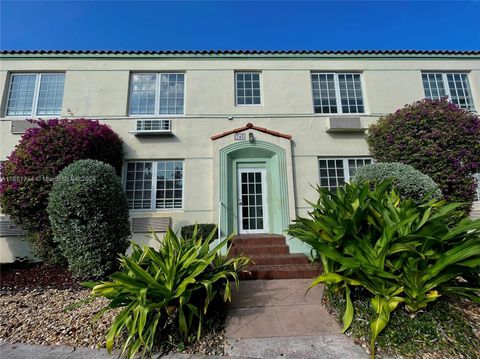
column 250, row 126
column 241, row 52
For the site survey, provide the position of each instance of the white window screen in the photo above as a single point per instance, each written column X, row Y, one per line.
column 138, row 185
column 169, row 184
column 157, row 94
column 164, row 190
column 454, row 86
column 171, row 94
column 35, row 94
column 337, row 93
column 247, row 88
column 334, row 172
column 477, row 176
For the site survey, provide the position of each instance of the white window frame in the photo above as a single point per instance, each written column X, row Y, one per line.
column 153, row 198
column 260, row 79
column 346, row 168
column 477, row 189
column 36, row 93
column 157, row 94
column 338, row 98
column 447, row 87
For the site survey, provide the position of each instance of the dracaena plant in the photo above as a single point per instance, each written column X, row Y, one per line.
column 175, row 283
column 398, row 249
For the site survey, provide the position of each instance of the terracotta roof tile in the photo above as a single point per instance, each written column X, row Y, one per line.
column 250, row 126
column 240, row 52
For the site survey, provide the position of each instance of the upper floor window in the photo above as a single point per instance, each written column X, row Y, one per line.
column 334, row 172
column 453, row 85
column 247, row 88
column 35, row 94
column 157, row 94
column 337, row 93
column 154, row 184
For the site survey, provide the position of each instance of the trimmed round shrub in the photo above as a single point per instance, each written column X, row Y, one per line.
column 409, row 182
column 29, row 171
column 203, row 230
column 88, row 212
column 438, row 139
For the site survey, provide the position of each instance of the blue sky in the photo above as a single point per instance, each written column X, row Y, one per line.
column 154, row 25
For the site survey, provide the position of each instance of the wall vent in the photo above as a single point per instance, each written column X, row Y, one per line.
column 345, row 124
column 147, row 224
column 153, row 127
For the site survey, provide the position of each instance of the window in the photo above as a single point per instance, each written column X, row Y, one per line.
column 157, row 94
column 154, row 185
column 35, row 94
column 334, row 172
column 337, row 93
column 455, row 86
column 477, row 198
column 247, row 85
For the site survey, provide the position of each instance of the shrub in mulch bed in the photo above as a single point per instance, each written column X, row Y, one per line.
column 33, row 298
column 446, row 329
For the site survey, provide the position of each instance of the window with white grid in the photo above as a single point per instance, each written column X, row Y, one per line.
column 247, row 88
column 154, row 185
column 157, row 94
column 454, row 86
column 35, row 94
column 169, row 184
column 477, row 177
column 334, row 172
column 337, row 93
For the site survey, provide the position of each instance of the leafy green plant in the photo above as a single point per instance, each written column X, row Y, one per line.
column 203, row 230
column 408, row 181
column 88, row 213
column 427, row 129
column 399, row 250
column 175, row 283
column 29, row 172
column 441, row 328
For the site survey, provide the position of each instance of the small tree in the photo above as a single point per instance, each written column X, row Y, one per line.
column 37, row 159
column 88, row 212
column 435, row 137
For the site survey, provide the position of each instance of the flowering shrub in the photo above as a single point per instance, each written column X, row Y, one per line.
column 435, row 137
column 88, row 213
column 409, row 182
column 29, row 171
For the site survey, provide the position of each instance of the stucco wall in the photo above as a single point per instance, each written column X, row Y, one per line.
column 98, row 88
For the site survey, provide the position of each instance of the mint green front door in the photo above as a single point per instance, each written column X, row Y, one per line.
column 266, row 206
column 252, row 200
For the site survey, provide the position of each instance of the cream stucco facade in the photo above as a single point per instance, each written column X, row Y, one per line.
column 97, row 87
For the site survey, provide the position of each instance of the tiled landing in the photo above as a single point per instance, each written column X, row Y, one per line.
column 278, row 308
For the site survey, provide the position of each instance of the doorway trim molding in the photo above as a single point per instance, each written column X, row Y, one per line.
column 277, row 166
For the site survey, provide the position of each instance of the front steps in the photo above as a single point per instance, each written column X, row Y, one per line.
column 271, row 258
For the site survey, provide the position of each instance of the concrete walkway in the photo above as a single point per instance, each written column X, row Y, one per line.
column 275, row 319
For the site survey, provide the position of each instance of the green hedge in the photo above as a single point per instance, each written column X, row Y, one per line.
column 409, row 182
column 203, row 230
column 88, row 212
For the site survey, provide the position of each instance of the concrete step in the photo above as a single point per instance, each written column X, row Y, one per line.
column 291, row 258
column 273, row 249
column 246, row 240
column 282, row 271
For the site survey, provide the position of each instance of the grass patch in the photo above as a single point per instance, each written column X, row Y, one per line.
column 441, row 329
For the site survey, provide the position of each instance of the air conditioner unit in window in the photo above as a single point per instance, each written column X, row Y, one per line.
column 153, row 128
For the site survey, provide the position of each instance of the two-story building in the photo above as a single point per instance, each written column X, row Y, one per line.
column 228, row 137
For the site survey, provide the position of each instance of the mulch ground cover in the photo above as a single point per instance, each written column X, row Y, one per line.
column 33, row 302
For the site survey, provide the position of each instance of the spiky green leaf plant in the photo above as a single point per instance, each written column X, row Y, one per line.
column 400, row 250
column 176, row 283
